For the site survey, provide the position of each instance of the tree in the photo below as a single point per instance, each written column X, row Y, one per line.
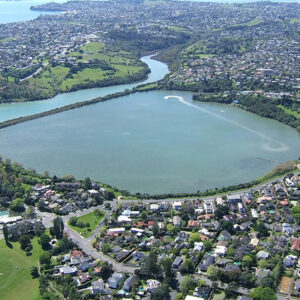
column 44, row 241
column 25, row 242
column 73, row 221
column 201, row 282
column 263, row 293
column 262, row 264
column 45, row 258
column 105, row 271
column 277, row 271
column 150, row 267
column 212, row 272
column 262, row 229
column 170, row 275
column 87, row 183
column 68, row 178
column 5, row 234
column 268, row 281
column 144, row 216
column 106, row 248
column 248, row 261
column 170, row 228
column 187, row 283
column 34, row 272
column 155, row 230
column 187, row 267
column 98, row 199
column 247, row 280
column 231, row 289
column 214, row 285
column 207, row 245
column 109, row 195
column 80, row 223
column 30, row 211
column 17, row 205
column 221, row 211
column 227, row 225
column 161, row 293
column 194, row 237
column 58, row 227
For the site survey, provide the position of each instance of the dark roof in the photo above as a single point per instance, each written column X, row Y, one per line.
column 129, row 282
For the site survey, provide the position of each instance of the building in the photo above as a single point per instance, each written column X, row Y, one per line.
column 209, row 206
column 114, row 280
column 177, row 262
column 177, row 206
column 262, row 255
column 99, row 287
column 129, row 282
column 176, row 221
column 152, row 284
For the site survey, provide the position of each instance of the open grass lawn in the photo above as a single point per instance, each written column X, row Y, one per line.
column 90, row 218
column 83, row 76
column 218, row 295
column 51, row 77
column 15, row 278
column 54, row 79
column 295, row 20
column 289, row 111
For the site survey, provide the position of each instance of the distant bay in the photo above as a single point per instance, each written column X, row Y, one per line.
column 19, row 11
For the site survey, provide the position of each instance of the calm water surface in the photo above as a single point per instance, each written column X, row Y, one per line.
column 16, row 110
column 142, row 142
column 19, row 11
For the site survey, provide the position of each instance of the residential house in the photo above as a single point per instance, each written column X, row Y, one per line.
column 124, row 220
column 203, row 291
column 154, row 207
column 129, row 282
column 115, row 279
column 297, row 285
column 262, row 255
column 152, row 284
column 209, row 260
column 99, row 287
column 233, row 199
column 177, row 262
column 220, row 250
column 177, row 206
column 176, row 221
column 209, row 206
column 225, row 235
column 246, row 226
column 290, row 261
column 67, row 270
column 198, row 246
column 295, row 244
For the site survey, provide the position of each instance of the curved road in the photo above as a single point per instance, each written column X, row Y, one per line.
column 85, row 244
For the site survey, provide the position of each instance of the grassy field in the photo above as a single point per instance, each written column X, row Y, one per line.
column 90, row 218
column 289, row 111
column 219, row 295
column 253, row 22
column 295, row 20
column 15, row 278
column 53, row 80
column 195, row 51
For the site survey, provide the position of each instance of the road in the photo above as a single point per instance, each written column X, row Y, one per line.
column 85, row 244
column 36, row 72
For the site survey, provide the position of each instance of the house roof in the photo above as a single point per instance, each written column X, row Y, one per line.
column 296, row 244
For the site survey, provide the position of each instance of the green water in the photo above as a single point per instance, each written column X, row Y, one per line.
column 142, row 142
